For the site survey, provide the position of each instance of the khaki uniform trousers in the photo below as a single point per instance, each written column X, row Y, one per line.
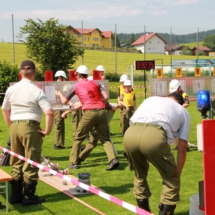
column 126, row 118
column 59, row 129
column 27, row 142
column 121, row 120
column 76, row 118
column 148, row 142
column 95, row 121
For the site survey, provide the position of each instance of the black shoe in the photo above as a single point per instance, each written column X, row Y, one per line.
column 73, row 166
column 32, row 200
column 188, row 149
column 176, row 148
column 79, row 161
column 113, row 164
column 59, row 147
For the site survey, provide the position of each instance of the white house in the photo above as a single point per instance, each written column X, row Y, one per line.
column 153, row 43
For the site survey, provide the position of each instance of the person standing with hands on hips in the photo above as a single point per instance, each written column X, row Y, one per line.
column 157, row 122
column 89, row 93
column 23, row 106
column 58, row 120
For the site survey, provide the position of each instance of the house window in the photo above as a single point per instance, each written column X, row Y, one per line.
column 79, row 35
column 84, row 38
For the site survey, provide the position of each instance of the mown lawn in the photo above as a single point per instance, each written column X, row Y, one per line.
column 119, row 62
column 118, row 183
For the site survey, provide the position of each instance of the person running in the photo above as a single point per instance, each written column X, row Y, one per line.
column 94, row 115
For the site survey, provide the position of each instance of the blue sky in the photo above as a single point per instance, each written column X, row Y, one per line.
column 184, row 16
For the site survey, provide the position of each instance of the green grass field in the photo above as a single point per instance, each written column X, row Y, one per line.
column 118, row 183
column 122, row 61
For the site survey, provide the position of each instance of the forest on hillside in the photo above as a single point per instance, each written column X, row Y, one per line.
column 175, row 39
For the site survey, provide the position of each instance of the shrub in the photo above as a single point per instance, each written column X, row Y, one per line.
column 8, row 73
column 112, row 77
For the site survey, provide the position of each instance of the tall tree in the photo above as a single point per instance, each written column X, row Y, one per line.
column 210, row 42
column 132, row 39
column 50, row 45
column 117, row 41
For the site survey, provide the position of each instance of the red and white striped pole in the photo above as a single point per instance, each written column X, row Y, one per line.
column 106, row 196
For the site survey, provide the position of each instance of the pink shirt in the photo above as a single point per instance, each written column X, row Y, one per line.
column 88, row 92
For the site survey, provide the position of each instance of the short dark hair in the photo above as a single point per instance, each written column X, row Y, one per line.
column 27, row 63
column 178, row 97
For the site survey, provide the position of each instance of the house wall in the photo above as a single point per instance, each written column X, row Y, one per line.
column 93, row 39
column 153, row 45
column 107, row 42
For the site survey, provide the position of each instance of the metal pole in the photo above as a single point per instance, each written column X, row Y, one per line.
column 13, row 40
column 144, row 42
column 115, row 51
column 82, row 38
column 144, row 83
column 197, row 45
column 171, row 49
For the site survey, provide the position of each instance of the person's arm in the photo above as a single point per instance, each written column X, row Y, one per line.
column 49, row 122
column 181, row 156
column 6, row 114
column 122, row 103
column 61, row 97
column 104, row 96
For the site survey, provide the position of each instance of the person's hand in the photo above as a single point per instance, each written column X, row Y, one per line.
column 114, row 108
column 43, row 133
column 58, row 93
column 127, row 108
column 64, row 115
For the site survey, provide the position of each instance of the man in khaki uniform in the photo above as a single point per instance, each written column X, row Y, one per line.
column 154, row 126
column 58, row 120
column 94, row 115
column 23, row 106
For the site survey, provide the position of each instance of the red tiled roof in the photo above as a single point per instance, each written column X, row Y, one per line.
column 107, row 34
column 145, row 38
column 203, row 48
column 87, row 31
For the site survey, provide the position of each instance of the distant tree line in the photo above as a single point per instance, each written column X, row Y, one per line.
column 175, row 39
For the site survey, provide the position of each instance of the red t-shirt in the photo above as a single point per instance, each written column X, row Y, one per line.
column 88, row 92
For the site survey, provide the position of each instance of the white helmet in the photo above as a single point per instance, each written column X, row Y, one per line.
column 82, row 70
column 90, row 78
column 123, row 78
column 127, row 83
column 60, row 73
column 173, row 85
column 100, row 68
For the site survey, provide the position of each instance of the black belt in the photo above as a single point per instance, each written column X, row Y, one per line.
column 30, row 122
column 96, row 109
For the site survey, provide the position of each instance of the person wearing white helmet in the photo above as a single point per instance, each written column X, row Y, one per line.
column 128, row 101
column 89, row 93
column 101, row 69
column 120, row 89
column 175, row 86
column 59, row 122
